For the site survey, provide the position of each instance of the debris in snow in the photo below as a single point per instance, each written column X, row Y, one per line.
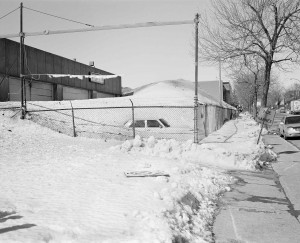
column 190, row 200
column 268, row 155
column 145, row 173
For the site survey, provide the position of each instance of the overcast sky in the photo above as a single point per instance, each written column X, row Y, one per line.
column 140, row 56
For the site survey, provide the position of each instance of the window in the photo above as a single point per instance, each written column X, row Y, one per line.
column 292, row 120
column 153, row 123
column 165, row 123
column 96, row 79
column 138, row 123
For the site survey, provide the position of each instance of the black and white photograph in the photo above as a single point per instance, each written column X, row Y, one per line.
column 150, row 121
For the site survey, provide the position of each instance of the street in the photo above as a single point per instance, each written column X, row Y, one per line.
column 274, row 128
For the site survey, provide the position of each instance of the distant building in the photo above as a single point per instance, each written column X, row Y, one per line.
column 126, row 91
column 227, row 92
column 213, row 89
column 43, row 87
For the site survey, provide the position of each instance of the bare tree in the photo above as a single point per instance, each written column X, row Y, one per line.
column 276, row 93
column 248, row 83
column 269, row 29
column 292, row 92
column 249, row 70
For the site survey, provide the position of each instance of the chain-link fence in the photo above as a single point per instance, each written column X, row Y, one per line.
column 119, row 122
column 125, row 122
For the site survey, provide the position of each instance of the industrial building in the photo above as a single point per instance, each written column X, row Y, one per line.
column 46, row 88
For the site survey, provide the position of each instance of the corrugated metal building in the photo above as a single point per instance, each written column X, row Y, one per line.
column 44, row 88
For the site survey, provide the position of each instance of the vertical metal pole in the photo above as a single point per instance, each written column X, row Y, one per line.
column 73, row 120
column 22, row 61
column 220, row 81
column 133, row 122
column 196, row 81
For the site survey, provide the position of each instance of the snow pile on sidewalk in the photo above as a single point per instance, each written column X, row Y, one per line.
column 57, row 188
column 240, row 152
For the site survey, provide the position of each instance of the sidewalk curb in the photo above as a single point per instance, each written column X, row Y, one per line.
column 264, row 138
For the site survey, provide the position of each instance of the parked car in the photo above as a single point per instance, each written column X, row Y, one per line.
column 144, row 123
column 289, row 126
column 281, row 110
column 159, row 128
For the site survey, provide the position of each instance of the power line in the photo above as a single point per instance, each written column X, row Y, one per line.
column 70, row 20
column 9, row 13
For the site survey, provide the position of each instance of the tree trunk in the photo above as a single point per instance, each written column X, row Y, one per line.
column 255, row 103
column 255, row 97
column 266, row 83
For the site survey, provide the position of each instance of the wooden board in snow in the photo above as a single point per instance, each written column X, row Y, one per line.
column 145, row 173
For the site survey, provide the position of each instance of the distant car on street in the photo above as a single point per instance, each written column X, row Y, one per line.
column 289, row 126
column 281, row 110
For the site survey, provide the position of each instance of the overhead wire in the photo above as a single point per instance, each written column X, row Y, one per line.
column 9, row 13
column 70, row 20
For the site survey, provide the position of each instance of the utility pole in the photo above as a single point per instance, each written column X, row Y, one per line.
column 196, row 81
column 22, row 62
column 220, row 81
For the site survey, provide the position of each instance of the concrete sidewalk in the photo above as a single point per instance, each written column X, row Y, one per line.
column 264, row 206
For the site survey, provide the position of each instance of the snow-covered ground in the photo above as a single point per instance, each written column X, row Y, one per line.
column 56, row 188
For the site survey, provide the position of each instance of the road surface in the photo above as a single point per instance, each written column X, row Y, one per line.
column 274, row 128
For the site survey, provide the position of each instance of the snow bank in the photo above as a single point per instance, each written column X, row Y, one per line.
column 241, row 152
column 63, row 189
column 56, row 188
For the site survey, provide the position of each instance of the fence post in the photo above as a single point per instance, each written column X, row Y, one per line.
column 205, row 120
column 133, row 122
column 73, row 120
column 196, row 121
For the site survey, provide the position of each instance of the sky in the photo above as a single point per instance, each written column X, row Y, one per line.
column 140, row 56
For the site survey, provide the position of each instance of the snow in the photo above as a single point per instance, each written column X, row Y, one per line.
column 56, row 188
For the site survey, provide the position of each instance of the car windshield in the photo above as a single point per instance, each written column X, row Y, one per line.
column 164, row 122
column 153, row 123
column 292, row 120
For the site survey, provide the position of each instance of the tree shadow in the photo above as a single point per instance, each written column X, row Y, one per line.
column 288, row 152
column 2, row 220
column 17, row 227
column 4, row 216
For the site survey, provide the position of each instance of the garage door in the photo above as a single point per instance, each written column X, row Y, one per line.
column 75, row 94
column 37, row 91
column 101, row 95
